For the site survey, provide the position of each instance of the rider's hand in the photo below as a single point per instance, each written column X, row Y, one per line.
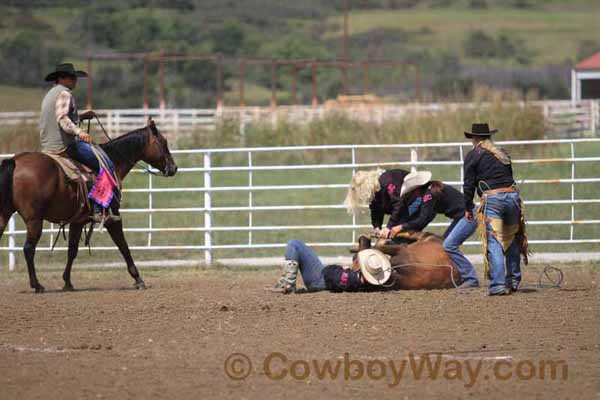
column 88, row 114
column 469, row 215
column 395, row 230
column 384, row 233
column 85, row 137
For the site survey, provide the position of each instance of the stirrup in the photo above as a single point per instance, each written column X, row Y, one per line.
column 112, row 217
column 97, row 218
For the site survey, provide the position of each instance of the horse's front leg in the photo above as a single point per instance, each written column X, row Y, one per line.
column 34, row 233
column 116, row 233
column 74, row 237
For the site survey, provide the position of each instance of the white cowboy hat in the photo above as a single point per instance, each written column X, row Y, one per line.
column 375, row 266
column 414, row 180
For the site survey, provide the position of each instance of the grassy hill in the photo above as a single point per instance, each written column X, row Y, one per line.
column 552, row 34
column 459, row 44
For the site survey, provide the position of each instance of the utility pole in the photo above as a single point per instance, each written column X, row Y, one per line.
column 345, row 49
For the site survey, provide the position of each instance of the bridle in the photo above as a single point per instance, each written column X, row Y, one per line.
column 145, row 169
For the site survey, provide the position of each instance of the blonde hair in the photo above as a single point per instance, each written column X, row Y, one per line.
column 498, row 152
column 362, row 189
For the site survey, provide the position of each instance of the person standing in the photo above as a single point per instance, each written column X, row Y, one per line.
column 488, row 171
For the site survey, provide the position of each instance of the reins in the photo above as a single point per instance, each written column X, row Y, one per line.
column 145, row 169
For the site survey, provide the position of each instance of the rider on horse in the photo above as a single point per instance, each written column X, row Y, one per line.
column 59, row 130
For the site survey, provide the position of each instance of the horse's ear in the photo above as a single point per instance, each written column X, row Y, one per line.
column 152, row 126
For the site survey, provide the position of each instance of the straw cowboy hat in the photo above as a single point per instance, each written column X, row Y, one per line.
column 374, row 266
column 414, row 180
column 66, row 69
column 480, row 130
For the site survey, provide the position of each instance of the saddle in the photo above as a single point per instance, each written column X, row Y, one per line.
column 74, row 171
column 79, row 175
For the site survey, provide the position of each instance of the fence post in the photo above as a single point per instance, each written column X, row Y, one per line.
column 353, row 214
column 572, row 189
column 207, row 212
column 250, row 202
column 593, row 116
column 150, row 207
column 11, row 243
column 117, row 123
column 462, row 171
column 109, row 122
column 414, row 158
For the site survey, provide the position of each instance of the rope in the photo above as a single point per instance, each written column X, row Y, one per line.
column 61, row 228
column 545, row 274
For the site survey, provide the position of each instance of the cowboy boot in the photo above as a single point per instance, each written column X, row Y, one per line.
column 287, row 282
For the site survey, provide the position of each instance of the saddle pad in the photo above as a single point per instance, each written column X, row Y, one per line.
column 74, row 171
column 103, row 190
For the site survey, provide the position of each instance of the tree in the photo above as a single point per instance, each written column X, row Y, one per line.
column 228, row 38
column 478, row 44
column 26, row 59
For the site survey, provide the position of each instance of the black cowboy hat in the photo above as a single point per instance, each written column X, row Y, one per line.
column 66, row 69
column 480, row 130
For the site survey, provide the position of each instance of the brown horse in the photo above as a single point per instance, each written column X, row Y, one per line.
column 34, row 185
column 420, row 264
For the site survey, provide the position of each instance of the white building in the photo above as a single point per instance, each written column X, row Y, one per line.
column 585, row 79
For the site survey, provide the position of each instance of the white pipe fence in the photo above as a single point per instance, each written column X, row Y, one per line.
column 207, row 207
column 563, row 118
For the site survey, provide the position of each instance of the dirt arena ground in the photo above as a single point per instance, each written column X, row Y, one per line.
column 176, row 339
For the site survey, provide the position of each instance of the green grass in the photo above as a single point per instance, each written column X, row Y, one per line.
column 553, row 34
column 20, row 99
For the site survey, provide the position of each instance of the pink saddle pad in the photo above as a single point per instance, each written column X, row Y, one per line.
column 102, row 191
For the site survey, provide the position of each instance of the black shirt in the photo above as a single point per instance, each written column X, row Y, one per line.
column 449, row 202
column 481, row 166
column 387, row 199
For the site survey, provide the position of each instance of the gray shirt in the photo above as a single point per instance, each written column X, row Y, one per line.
column 58, row 120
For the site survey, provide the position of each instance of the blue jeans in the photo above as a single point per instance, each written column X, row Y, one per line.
column 505, row 268
column 310, row 266
column 82, row 152
column 460, row 230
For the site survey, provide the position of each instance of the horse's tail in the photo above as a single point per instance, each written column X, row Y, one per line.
column 7, row 169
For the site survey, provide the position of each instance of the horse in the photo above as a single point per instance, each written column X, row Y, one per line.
column 421, row 263
column 34, row 185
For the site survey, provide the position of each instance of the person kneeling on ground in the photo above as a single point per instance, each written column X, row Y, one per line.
column 371, row 269
column 380, row 191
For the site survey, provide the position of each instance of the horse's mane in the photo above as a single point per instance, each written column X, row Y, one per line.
column 124, row 147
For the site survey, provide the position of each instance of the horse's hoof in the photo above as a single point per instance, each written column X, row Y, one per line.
column 140, row 285
column 68, row 288
column 39, row 289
